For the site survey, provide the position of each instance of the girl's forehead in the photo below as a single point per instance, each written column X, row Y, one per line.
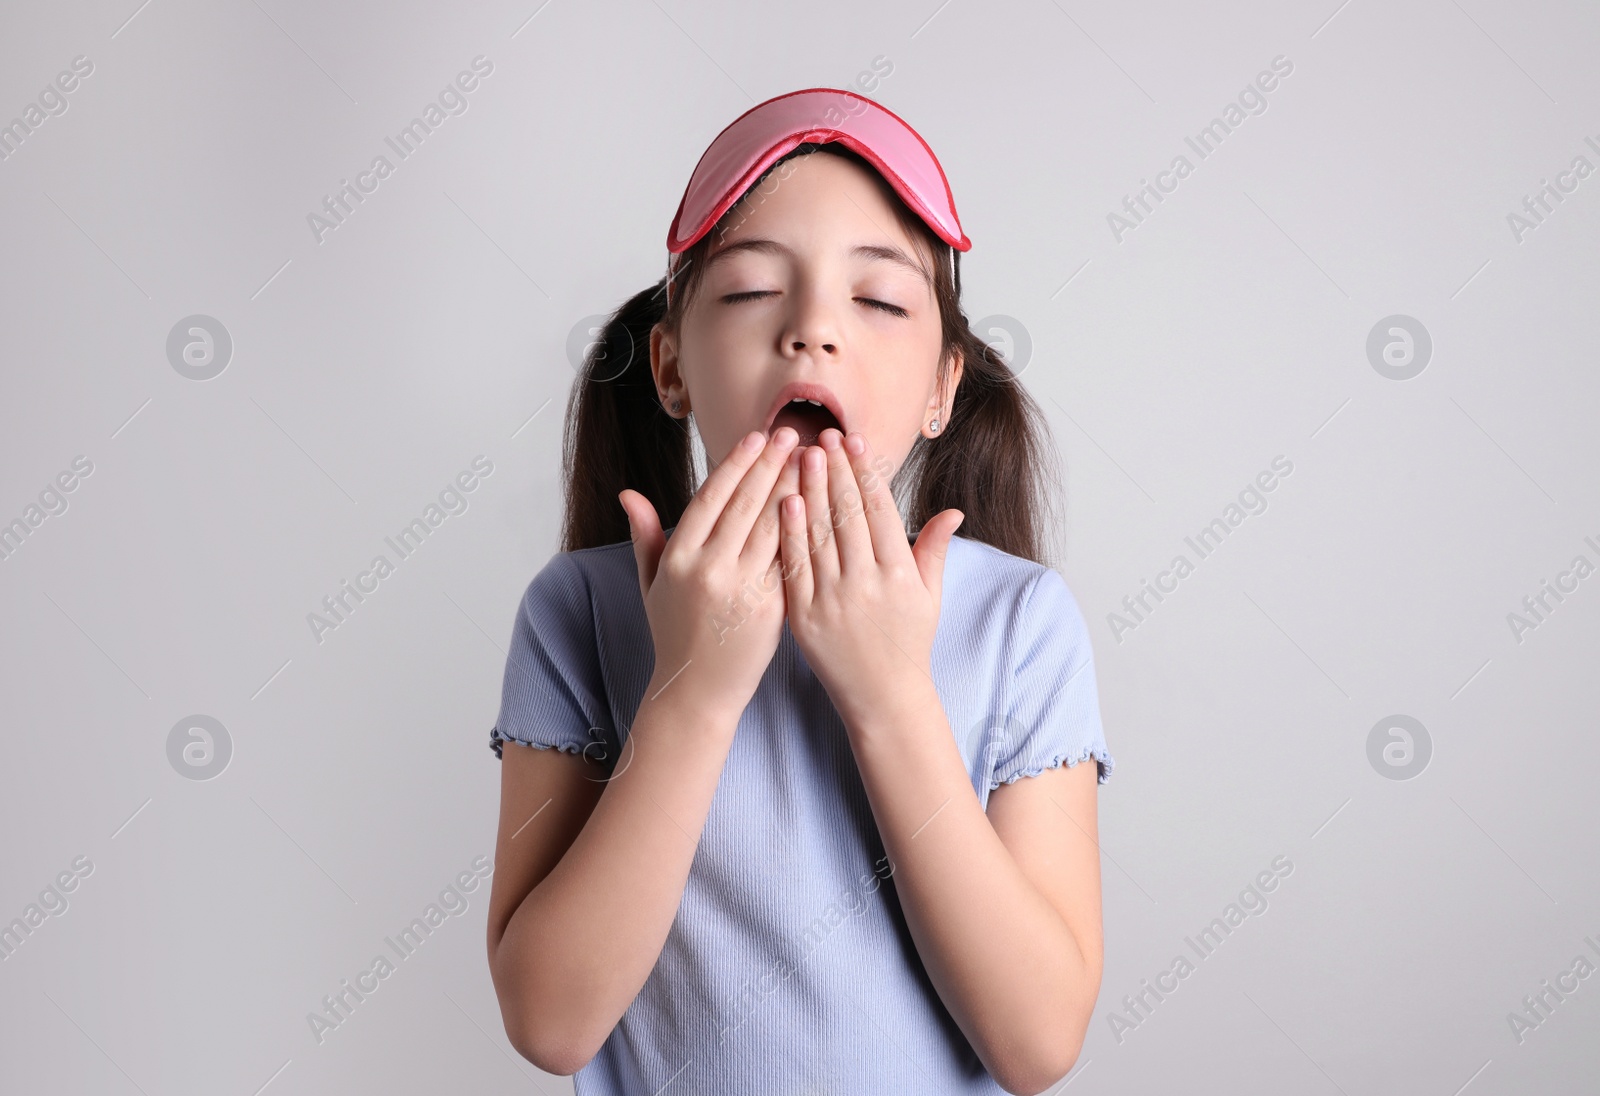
column 820, row 192
column 868, row 250
column 859, row 242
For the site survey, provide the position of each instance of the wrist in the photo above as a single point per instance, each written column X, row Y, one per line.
column 893, row 700
column 674, row 701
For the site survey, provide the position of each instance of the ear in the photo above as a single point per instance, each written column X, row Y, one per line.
column 956, row 367
column 664, row 368
column 944, row 397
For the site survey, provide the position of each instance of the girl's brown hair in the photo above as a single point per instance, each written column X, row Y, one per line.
column 991, row 461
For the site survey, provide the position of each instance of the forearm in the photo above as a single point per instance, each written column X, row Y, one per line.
column 582, row 942
column 1004, row 962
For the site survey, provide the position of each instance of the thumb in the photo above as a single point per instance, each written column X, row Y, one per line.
column 931, row 546
column 644, row 527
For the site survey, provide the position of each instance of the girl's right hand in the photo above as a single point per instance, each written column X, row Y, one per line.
column 714, row 591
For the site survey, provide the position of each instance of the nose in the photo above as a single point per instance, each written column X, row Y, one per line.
column 811, row 326
column 798, row 345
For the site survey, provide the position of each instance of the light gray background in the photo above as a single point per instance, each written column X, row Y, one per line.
column 368, row 370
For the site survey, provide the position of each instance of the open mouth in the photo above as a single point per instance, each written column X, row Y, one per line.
column 808, row 418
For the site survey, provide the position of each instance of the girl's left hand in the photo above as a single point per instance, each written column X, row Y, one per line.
column 863, row 602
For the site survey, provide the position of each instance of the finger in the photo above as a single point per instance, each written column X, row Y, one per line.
column 884, row 523
column 750, row 496
column 933, row 544
column 799, row 583
column 844, row 496
column 700, row 516
column 763, row 545
column 644, row 527
column 819, row 526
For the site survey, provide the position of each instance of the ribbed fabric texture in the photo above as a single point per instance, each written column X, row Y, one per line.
column 789, row 967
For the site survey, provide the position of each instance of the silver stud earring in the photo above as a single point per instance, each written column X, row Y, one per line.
column 934, row 426
column 676, row 405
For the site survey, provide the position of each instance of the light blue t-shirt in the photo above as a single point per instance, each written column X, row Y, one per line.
column 789, row 968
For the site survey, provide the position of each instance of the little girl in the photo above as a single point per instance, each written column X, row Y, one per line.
column 795, row 801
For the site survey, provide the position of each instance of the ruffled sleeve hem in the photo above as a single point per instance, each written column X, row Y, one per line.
column 1103, row 760
column 497, row 741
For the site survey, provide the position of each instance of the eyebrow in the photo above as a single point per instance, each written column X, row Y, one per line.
column 871, row 252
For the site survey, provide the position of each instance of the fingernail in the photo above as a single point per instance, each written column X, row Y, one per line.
column 856, row 444
column 752, row 441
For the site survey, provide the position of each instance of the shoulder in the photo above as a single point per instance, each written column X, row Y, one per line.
column 1021, row 611
column 555, row 690
column 981, row 573
column 584, row 575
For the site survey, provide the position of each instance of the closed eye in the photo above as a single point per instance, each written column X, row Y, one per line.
column 753, row 294
column 885, row 306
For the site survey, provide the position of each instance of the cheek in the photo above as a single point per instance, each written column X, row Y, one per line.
column 723, row 368
column 892, row 403
column 903, row 376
